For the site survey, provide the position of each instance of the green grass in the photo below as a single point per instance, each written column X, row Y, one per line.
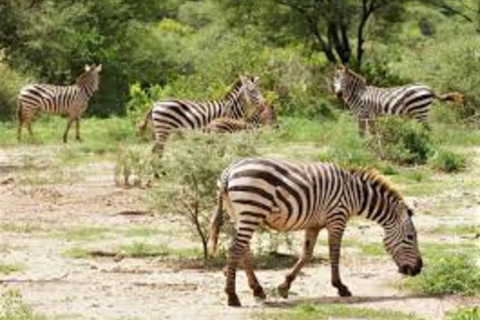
column 83, row 233
column 141, row 232
column 447, row 273
column 7, row 268
column 309, row 311
column 77, row 253
column 459, row 230
column 447, row 161
column 12, row 307
column 465, row 313
column 20, row 227
column 142, row 250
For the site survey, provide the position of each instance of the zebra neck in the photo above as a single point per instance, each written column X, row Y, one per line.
column 376, row 205
column 233, row 105
column 86, row 89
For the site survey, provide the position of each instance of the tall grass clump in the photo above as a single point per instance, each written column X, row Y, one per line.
column 447, row 161
column 402, row 141
column 189, row 185
column 12, row 307
column 12, row 82
column 466, row 313
column 448, row 274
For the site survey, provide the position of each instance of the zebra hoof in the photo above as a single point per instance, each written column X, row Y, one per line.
column 344, row 292
column 233, row 301
column 259, row 293
column 283, row 291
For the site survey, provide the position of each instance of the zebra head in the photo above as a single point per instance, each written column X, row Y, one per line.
column 268, row 115
column 90, row 79
column 401, row 241
column 346, row 82
column 250, row 92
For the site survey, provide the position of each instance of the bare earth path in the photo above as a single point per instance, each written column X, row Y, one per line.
column 38, row 222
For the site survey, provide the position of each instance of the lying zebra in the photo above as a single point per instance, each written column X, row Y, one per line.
column 264, row 116
column 369, row 102
column 289, row 196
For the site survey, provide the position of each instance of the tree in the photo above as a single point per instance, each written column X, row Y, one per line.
column 333, row 26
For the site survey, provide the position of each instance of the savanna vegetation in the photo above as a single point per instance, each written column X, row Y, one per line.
column 157, row 49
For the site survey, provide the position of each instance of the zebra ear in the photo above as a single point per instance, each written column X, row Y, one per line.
column 99, row 68
column 87, row 68
column 255, row 79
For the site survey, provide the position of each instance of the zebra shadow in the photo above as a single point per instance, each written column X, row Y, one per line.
column 342, row 300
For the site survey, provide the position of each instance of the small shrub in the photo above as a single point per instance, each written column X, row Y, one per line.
column 12, row 307
column 448, row 274
column 447, row 161
column 191, row 173
column 468, row 313
column 402, row 141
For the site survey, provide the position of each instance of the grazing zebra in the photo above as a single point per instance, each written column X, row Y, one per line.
column 289, row 196
column 368, row 102
column 264, row 117
column 171, row 115
column 71, row 101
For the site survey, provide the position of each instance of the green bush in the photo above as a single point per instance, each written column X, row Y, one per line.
column 402, row 141
column 447, row 161
column 12, row 82
column 189, row 185
column 12, row 307
column 472, row 313
column 448, row 274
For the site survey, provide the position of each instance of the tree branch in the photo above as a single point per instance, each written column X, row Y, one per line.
column 443, row 5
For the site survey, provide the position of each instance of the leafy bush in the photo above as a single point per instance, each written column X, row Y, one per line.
column 448, row 274
column 12, row 307
column 188, row 188
column 12, row 82
column 472, row 313
column 447, row 161
column 402, row 141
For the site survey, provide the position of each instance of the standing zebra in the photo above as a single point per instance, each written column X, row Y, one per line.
column 71, row 101
column 171, row 115
column 289, row 196
column 368, row 102
column 265, row 116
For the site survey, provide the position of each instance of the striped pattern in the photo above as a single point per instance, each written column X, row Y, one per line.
column 369, row 102
column 71, row 101
column 264, row 117
column 289, row 196
column 171, row 115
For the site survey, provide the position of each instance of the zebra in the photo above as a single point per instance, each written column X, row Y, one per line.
column 71, row 101
column 265, row 116
column 289, row 196
column 368, row 102
column 171, row 115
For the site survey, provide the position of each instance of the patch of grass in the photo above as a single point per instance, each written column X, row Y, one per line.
column 465, row 313
column 447, row 161
column 461, row 229
column 12, row 307
column 83, row 233
column 310, row 311
column 448, row 274
column 77, row 253
column 7, row 268
column 142, row 250
column 20, row 227
column 373, row 249
column 141, row 232
column 53, row 176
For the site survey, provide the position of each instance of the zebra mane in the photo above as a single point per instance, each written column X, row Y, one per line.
column 374, row 177
column 86, row 74
column 356, row 76
column 235, row 85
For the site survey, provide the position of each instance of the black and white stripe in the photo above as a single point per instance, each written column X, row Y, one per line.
column 289, row 196
column 264, row 117
column 71, row 101
column 369, row 102
column 171, row 115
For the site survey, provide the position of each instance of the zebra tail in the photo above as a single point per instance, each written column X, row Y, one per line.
column 456, row 97
column 216, row 222
column 142, row 126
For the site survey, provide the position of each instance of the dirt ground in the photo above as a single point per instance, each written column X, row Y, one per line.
column 150, row 288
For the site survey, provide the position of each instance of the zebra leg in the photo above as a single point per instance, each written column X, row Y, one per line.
column 28, row 124
column 372, row 127
column 19, row 131
column 311, row 236
column 335, row 234
column 77, row 129
column 248, row 265
column 69, row 124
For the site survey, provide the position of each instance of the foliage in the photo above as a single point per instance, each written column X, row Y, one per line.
column 12, row 81
column 12, row 307
column 402, row 141
column 448, row 274
column 466, row 313
column 447, row 161
column 188, row 188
